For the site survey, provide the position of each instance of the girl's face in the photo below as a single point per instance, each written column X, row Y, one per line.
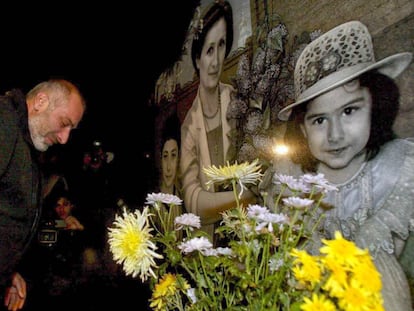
column 210, row 63
column 337, row 127
column 63, row 207
column 169, row 162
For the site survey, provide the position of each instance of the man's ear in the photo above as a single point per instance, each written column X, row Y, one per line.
column 41, row 102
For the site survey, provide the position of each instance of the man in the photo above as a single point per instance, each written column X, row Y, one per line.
column 28, row 124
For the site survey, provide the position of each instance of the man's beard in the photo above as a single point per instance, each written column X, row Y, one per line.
column 35, row 124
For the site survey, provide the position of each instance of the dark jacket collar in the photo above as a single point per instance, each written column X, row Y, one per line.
column 18, row 100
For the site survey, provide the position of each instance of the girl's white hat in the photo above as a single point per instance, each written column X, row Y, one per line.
column 336, row 57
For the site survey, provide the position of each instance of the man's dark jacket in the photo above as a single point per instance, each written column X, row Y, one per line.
column 19, row 184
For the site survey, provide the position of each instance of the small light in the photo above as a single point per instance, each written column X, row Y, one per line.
column 280, row 149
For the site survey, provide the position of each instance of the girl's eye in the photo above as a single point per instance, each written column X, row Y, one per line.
column 222, row 43
column 350, row 110
column 318, row 121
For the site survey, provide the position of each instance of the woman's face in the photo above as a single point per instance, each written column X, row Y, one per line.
column 210, row 63
column 169, row 162
column 337, row 126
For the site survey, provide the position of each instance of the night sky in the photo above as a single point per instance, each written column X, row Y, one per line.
column 113, row 51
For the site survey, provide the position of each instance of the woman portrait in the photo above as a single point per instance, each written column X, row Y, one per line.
column 169, row 181
column 205, row 130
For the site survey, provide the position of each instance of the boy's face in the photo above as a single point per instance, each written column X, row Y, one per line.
column 337, row 127
column 63, row 207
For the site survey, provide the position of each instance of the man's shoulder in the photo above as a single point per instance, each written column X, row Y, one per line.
column 9, row 127
column 9, row 117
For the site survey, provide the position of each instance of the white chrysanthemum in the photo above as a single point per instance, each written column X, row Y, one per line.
column 209, row 252
column 187, row 220
column 254, row 211
column 277, row 218
column 166, row 198
column 200, row 244
column 225, row 251
column 314, row 178
column 291, row 182
column 283, row 179
column 267, row 219
column 297, row 202
column 191, row 294
column 131, row 245
column 242, row 174
column 319, row 181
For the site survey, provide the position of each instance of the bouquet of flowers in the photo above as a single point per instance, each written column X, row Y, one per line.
column 263, row 265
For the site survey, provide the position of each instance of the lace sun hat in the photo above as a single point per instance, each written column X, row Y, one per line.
column 336, row 57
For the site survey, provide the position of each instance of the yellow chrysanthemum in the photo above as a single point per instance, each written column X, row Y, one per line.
column 166, row 286
column 338, row 276
column 243, row 174
column 158, row 304
column 342, row 250
column 131, row 245
column 367, row 275
column 376, row 302
column 347, row 276
column 355, row 298
column 317, row 303
column 309, row 270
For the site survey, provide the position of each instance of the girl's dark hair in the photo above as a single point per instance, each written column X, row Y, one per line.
column 213, row 13
column 385, row 104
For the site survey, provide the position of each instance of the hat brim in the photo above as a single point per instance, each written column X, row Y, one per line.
column 391, row 66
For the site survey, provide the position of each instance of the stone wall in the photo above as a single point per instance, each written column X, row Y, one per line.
column 391, row 23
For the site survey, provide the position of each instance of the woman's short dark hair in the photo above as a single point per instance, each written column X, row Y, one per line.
column 171, row 130
column 385, row 104
column 213, row 13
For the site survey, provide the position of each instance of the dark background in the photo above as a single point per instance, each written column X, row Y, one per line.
column 114, row 52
